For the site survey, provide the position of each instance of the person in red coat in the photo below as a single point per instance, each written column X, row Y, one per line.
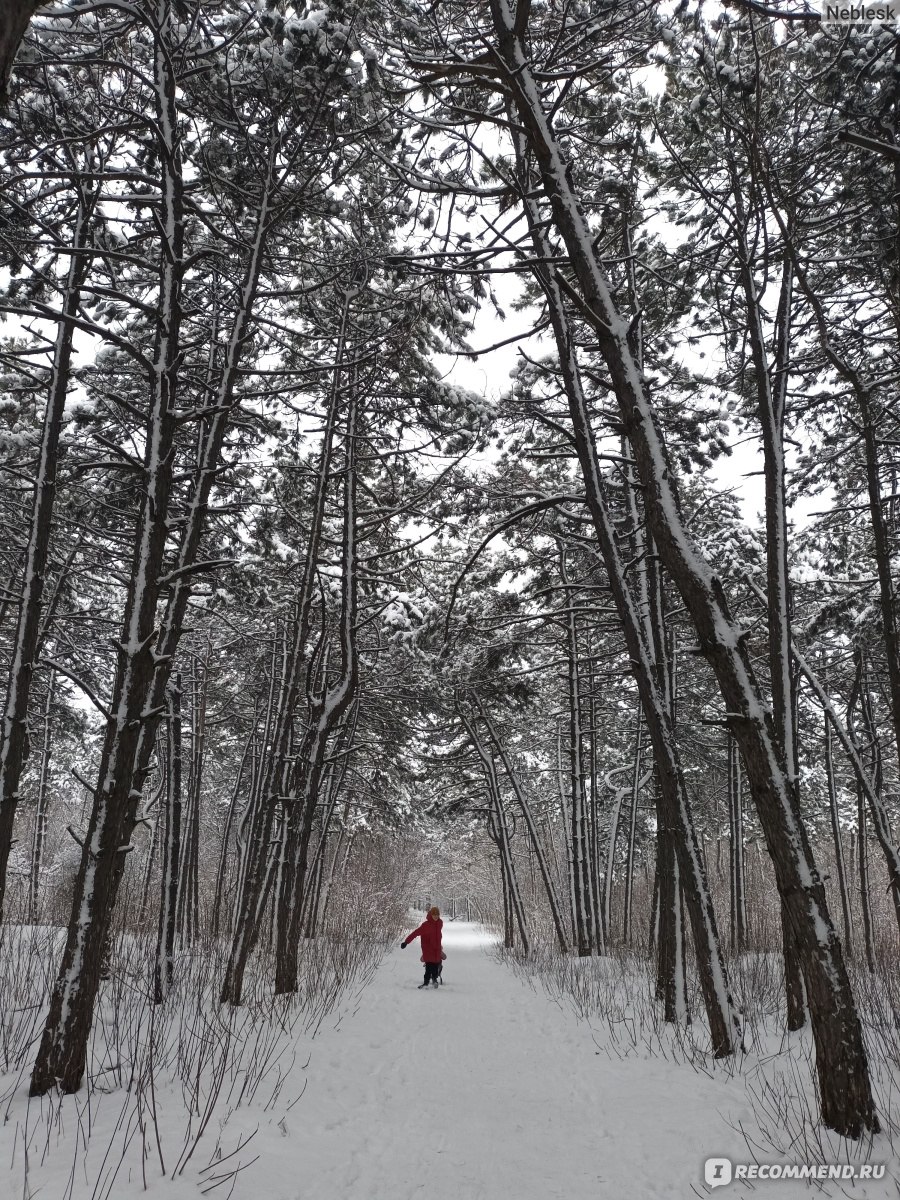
column 432, row 954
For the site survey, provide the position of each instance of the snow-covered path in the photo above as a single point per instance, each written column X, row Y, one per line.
column 489, row 1090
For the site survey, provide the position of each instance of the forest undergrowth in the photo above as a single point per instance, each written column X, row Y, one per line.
column 775, row 1096
column 177, row 1089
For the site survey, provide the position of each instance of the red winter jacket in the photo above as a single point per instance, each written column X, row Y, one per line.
column 430, row 933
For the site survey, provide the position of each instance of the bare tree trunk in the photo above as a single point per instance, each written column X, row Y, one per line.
column 667, row 901
column 43, row 803
column 629, row 861
column 525, row 809
column 189, row 891
column 856, row 694
column 26, row 640
column 835, row 818
column 566, row 831
column 155, row 806
column 327, row 708
column 256, row 831
column 506, row 891
column 15, row 16
column 865, row 784
column 515, row 897
column 169, row 884
column 581, row 889
column 862, row 845
column 736, row 854
column 599, row 931
column 499, row 824
column 222, row 871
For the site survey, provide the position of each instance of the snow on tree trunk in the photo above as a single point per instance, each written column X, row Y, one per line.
column 327, row 709
column 63, row 1050
column 650, row 675
column 841, row 1061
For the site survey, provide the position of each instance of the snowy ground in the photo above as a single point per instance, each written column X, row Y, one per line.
column 487, row 1089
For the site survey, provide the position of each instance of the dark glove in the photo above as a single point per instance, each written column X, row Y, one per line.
column 403, row 945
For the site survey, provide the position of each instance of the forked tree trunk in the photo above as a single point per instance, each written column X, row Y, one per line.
column 514, row 895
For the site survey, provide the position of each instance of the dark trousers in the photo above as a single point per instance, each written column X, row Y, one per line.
column 432, row 971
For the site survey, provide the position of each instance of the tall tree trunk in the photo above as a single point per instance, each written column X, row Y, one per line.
column 864, row 782
column 219, row 894
column 517, row 908
column 189, row 891
column 632, row 825
column 43, row 803
column 856, row 697
column 599, row 931
column 862, row 845
column 63, row 1049
column 26, row 639
column 772, row 379
column 327, row 708
column 525, row 809
column 565, row 826
column 278, row 780
column 170, row 877
column 145, row 655
column 835, row 817
column 667, row 901
column 648, row 666
column 841, row 1061
column 581, row 890
column 736, row 854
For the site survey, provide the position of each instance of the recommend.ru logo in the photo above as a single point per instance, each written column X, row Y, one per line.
column 719, row 1171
